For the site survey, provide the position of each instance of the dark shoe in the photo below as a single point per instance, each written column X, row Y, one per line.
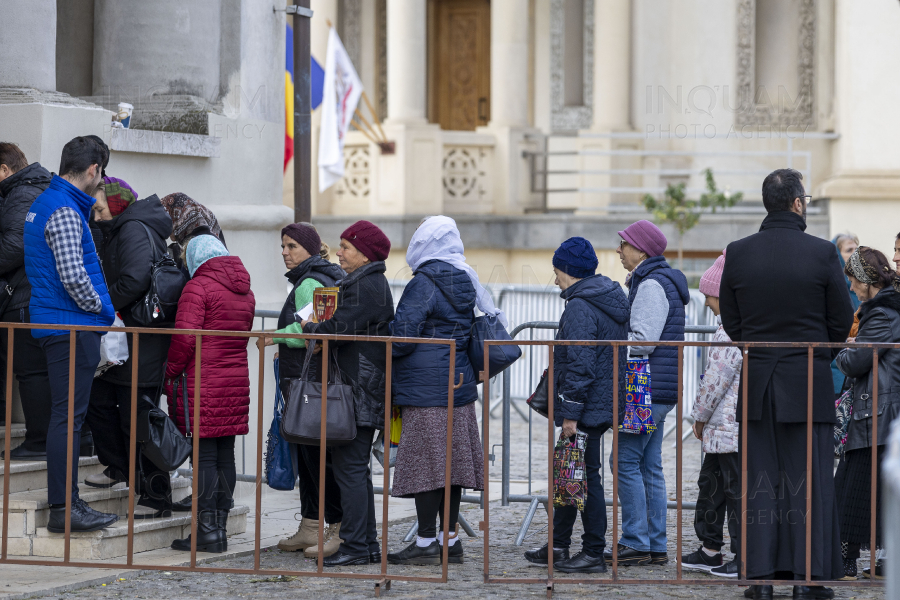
column 628, row 557
column 20, row 452
column 729, row 569
column 758, row 592
column 87, row 445
column 659, row 558
column 340, row 559
column 415, row 555
column 583, row 563
column 698, row 560
column 210, row 538
column 879, row 571
column 850, row 572
column 222, row 520
column 104, row 480
column 84, row 518
column 538, row 556
column 183, row 505
column 454, row 553
column 802, row 592
column 374, row 558
column 146, row 512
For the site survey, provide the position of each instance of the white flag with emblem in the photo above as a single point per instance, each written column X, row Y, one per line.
column 339, row 98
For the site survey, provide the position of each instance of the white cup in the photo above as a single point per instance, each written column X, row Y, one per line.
column 124, row 114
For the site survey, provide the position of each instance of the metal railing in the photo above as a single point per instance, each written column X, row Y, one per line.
column 742, row 579
column 891, row 480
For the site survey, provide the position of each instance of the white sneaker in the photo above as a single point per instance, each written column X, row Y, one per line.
column 102, row 480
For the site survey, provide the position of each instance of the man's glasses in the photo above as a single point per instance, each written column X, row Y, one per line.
column 807, row 199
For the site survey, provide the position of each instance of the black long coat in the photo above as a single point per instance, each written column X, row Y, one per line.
column 783, row 285
column 126, row 265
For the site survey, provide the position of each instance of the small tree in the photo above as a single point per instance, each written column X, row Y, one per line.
column 676, row 209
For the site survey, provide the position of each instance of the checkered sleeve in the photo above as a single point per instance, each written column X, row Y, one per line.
column 63, row 235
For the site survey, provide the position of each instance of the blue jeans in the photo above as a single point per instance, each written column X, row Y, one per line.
column 642, row 487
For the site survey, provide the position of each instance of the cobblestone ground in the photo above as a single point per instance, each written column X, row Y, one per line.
column 465, row 580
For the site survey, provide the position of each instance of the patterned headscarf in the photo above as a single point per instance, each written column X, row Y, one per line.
column 119, row 195
column 862, row 270
column 187, row 215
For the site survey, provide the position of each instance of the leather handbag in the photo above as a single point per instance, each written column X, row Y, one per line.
column 160, row 304
column 279, row 463
column 302, row 420
column 540, row 398
column 160, row 440
column 488, row 327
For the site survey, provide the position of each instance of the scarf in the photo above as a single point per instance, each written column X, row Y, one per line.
column 202, row 248
column 437, row 238
column 187, row 215
column 119, row 195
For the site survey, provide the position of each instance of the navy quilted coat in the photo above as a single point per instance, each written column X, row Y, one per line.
column 218, row 297
column 596, row 309
column 664, row 360
column 439, row 302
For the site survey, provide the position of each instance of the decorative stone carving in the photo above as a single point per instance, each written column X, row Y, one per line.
column 802, row 114
column 562, row 117
column 355, row 183
column 463, row 174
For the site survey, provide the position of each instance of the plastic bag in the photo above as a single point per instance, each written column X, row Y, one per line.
column 378, row 446
column 569, row 472
column 113, row 348
column 279, row 462
column 638, row 416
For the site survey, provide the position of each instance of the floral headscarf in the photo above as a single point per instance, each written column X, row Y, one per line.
column 119, row 195
column 188, row 215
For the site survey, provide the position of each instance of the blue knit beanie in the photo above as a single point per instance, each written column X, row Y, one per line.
column 576, row 257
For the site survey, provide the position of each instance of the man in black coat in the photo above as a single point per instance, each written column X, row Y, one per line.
column 20, row 184
column 783, row 285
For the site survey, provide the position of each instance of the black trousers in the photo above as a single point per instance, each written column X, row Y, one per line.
column 30, row 369
column 217, row 473
column 308, row 485
column 718, row 498
column 431, row 504
column 87, row 357
column 593, row 540
column 109, row 417
column 354, row 478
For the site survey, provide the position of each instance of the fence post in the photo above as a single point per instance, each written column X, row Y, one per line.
column 507, row 401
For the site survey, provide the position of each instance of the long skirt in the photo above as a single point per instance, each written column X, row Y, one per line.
column 422, row 453
column 853, row 485
column 777, row 494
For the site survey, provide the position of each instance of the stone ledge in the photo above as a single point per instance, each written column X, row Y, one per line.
column 163, row 142
column 33, row 96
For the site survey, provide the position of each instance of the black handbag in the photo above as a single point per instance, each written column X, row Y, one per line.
column 160, row 304
column 160, row 440
column 501, row 357
column 302, row 419
column 7, row 288
column 540, row 398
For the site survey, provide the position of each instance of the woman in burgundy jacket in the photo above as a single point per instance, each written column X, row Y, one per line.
column 218, row 297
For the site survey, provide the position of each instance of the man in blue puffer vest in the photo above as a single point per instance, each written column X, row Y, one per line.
column 67, row 288
column 658, row 294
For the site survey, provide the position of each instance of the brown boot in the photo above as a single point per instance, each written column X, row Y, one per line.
column 307, row 535
column 332, row 542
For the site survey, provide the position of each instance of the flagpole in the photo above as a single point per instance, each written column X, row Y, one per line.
column 368, row 126
column 374, row 115
column 302, row 121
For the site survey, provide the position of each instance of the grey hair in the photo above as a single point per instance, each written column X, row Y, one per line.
column 840, row 238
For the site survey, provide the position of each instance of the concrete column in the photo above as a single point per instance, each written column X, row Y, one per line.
column 612, row 65
column 509, row 63
column 28, row 40
column 406, row 55
column 159, row 47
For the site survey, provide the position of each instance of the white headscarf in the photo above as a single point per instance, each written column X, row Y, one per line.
column 437, row 238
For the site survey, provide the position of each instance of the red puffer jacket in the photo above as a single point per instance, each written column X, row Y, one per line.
column 218, row 297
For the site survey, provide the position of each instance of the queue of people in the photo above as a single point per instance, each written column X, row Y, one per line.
column 77, row 249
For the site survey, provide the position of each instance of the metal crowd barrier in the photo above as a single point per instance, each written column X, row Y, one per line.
column 382, row 579
column 741, row 580
column 890, row 473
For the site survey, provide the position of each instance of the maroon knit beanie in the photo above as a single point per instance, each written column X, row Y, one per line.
column 368, row 239
column 304, row 235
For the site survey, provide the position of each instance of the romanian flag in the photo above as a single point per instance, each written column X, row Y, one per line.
column 317, row 84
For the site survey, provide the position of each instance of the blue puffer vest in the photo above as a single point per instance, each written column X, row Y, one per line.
column 50, row 303
column 664, row 360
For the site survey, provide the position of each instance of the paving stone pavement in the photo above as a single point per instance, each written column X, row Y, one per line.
column 465, row 580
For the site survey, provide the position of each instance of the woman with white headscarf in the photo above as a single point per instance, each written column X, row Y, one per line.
column 439, row 302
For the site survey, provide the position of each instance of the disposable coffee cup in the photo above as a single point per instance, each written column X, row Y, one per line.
column 124, row 114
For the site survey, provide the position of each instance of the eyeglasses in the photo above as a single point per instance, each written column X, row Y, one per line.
column 807, row 199
column 622, row 244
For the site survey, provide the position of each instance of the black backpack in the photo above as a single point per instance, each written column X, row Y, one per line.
column 160, row 304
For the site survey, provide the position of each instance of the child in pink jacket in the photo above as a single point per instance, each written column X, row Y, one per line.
column 715, row 424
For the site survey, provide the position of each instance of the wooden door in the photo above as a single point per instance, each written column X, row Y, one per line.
column 461, row 64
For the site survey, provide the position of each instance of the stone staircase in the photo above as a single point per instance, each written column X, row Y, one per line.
column 29, row 513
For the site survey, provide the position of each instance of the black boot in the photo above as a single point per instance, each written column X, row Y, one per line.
column 84, row 518
column 210, row 537
column 758, row 592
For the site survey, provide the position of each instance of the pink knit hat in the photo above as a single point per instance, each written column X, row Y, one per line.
column 646, row 237
column 709, row 283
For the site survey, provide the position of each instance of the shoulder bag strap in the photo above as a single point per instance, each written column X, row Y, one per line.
column 184, row 401
column 153, row 252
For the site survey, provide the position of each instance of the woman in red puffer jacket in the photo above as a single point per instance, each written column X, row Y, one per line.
column 218, row 297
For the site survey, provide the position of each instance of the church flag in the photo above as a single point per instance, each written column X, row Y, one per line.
column 341, row 94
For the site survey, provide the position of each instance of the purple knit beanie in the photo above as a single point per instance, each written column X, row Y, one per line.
column 646, row 237
column 305, row 235
column 709, row 283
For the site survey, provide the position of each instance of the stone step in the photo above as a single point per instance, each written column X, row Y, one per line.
column 112, row 542
column 30, row 510
column 17, row 435
column 32, row 475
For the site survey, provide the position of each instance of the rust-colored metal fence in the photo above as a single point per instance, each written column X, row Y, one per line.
column 621, row 346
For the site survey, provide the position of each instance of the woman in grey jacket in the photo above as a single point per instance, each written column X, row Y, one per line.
column 876, row 284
